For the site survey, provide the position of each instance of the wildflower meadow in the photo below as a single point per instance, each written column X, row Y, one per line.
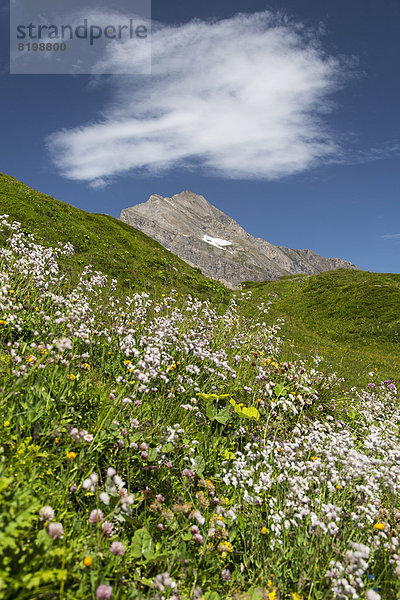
column 166, row 448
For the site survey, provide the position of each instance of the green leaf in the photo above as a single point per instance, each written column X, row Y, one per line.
column 223, row 416
column 249, row 412
column 43, row 538
column 152, row 454
column 213, row 397
column 279, row 390
column 5, row 482
column 211, row 412
column 256, row 594
column 211, row 596
column 142, row 544
column 232, row 534
column 208, row 397
column 353, row 415
column 199, row 465
column 31, row 581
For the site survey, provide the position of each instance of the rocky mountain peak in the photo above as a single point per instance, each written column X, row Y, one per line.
column 205, row 237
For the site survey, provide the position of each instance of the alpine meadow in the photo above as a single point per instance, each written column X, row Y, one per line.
column 164, row 437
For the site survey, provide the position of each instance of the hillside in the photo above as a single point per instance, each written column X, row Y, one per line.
column 348, row 317
column 115, row 248
column 158, row 449
column 351, row 318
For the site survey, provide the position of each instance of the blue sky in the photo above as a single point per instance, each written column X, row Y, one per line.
column 290, row 123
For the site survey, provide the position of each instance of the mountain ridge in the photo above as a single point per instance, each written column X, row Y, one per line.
column 205, row 237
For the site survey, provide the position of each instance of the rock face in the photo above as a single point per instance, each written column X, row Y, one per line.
column 203, row 236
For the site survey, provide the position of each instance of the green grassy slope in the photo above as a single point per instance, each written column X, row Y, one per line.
column 115, row 248
column 169, row 450
column 351, row 318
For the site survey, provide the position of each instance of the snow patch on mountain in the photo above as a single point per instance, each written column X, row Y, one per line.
column 217, row 242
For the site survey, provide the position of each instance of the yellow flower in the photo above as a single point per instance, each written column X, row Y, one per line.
column 71, row 455
column 272, row 595
column 34, row 448
column 379, row 526
column 296, row 596
column 6, row 423
column 11, row 291
column 56, row 440
column 2, row 322
column 225, row 547
column 264, row 530
column 71, row 376
column 87, row 561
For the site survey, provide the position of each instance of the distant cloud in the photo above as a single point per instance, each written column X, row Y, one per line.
column 390, row 236
column 240, row 98
column 386, row 151
column 359, row 157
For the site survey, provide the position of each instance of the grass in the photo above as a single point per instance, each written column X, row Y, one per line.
column 111, row 246
column 160, row 447
column 350, row 318
column 149, row 450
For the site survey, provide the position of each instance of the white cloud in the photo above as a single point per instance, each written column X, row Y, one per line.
column 241, row 98
column 390, row 236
